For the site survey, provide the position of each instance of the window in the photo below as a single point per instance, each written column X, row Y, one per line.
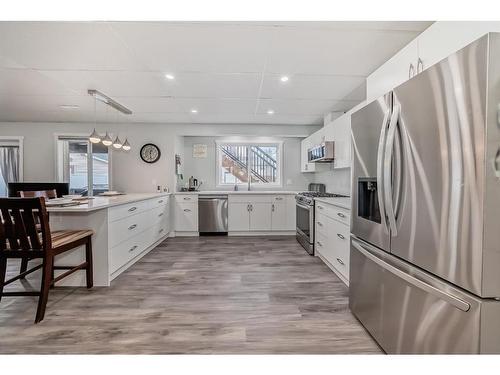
column 237, row 163
column 11, row 165
column 83, row 164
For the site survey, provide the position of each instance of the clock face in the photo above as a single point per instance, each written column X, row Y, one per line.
column 150, row 153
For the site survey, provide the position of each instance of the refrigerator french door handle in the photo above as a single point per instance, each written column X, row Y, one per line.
column 451, row 299
column 380, row 162
column 389, row 205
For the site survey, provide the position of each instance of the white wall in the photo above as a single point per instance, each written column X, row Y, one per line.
column 205, row 169
column 337, row 181
column 129, row 172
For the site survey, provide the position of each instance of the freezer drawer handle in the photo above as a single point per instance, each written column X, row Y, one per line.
column 340, row 236
column 457, row 302
column 340, row 261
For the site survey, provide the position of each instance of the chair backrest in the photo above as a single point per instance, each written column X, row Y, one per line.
column 18, row 224
column 49, row 194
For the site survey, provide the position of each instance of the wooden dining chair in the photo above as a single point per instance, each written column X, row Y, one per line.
column 21, row 239
column 49, row 194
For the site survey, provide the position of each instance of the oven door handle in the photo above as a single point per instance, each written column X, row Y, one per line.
column 305, row 207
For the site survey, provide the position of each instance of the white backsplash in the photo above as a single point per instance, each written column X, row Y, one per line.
column 336, row 180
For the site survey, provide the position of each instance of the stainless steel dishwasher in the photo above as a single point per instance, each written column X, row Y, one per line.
column 212, row 214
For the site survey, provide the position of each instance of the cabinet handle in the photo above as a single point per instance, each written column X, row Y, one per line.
column 133, row 226
column 132, row 248
column 340, row 261
column 187, row 198
column 248, row 207
column 272, row 207
column 279, row 198
column 132, row 209
column 340, row 214
column 411, row 71
column 187, row 210
column 160, row 214
column 306, row 166
column 161, row 230
column 320, row 223
column 420, row 64
column 320, row 207
column 160, row 201
column 340, row 236
column 319, row 243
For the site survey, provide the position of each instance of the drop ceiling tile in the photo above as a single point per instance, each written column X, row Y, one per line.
column 295, row 106
column 151, row 104
column 29, row 82
column 66, row 45
column 302, row 86
column 214, row 106
column 196, row 47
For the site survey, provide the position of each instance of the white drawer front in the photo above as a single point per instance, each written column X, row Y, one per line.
column 125, row 210
column 334, row 212
column 185, row 198
column 186, row 217
column 279, row 198
column 126, row 251
column 248, row 198
column 339, row 237
column 158, row 202
column 123, row 229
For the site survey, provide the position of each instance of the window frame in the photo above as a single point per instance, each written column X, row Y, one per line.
column 15, row 140
column 249, row 143
column 83, row 137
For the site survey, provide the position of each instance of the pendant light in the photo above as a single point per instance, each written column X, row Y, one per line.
column 107, row 141
column 95, row 137
column 117, row 143
column 126, row 145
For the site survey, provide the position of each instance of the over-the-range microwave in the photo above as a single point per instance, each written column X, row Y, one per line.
column 322, row 153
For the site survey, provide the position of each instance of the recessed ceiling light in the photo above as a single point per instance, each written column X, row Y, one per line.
column 69, row 106
column 284, row 78
column 169, row 76
column 194, row 110
column 270, row 111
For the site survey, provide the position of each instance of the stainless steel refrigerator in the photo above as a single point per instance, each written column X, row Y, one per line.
column 425, row 241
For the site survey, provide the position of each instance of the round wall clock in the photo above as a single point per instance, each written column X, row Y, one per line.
column 150, row 153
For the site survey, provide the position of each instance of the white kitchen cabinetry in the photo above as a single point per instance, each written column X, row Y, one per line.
column 186, row 214
column 261, row 213
column 332, row 238
column 394, row 72
column 305, row 166
column 436, row 43
column 339, row 131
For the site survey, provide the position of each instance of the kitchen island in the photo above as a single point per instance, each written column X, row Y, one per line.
column 126, row 227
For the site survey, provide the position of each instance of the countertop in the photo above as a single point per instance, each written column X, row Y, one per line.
column 344, row 202
column 228, row 192
column 99, row 203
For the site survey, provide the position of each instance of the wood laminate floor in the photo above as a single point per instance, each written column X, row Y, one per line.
column 207, row 295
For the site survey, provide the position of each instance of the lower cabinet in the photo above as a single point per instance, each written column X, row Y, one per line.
column 186, row 214
column 130, row 232
column 261, row 213
column 332, row 240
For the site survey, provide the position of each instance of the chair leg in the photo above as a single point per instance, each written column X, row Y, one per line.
column 52, row 275
column 24, row 266
column 3, row 270
column 89, row 269
column 45, row 286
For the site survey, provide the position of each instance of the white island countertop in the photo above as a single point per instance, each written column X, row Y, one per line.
column 99, row 203
column 231, row 192
column 344, row 202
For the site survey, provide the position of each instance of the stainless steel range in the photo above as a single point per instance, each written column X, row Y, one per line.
column 305, row 214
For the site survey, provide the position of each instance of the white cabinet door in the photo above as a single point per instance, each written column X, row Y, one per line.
column 260, row 216
column 186, row 217
column 238, row 217
column 342, row 139
column 442, row 39
column 393, row 73
column 279, row 216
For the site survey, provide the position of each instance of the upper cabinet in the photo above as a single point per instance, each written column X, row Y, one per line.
column 313, row 140
column 397, row 70
column 436, row 43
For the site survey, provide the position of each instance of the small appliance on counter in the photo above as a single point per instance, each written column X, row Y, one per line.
column 193, row 184
column 305, row 214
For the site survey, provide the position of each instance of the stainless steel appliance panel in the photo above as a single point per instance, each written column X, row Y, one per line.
column 436, row 140
column 369, row 128
column 491, row 247
column 408, row 310
column 305, row 226
column 212, row 213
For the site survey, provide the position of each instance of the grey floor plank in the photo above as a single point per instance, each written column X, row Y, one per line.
column 207, row 295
